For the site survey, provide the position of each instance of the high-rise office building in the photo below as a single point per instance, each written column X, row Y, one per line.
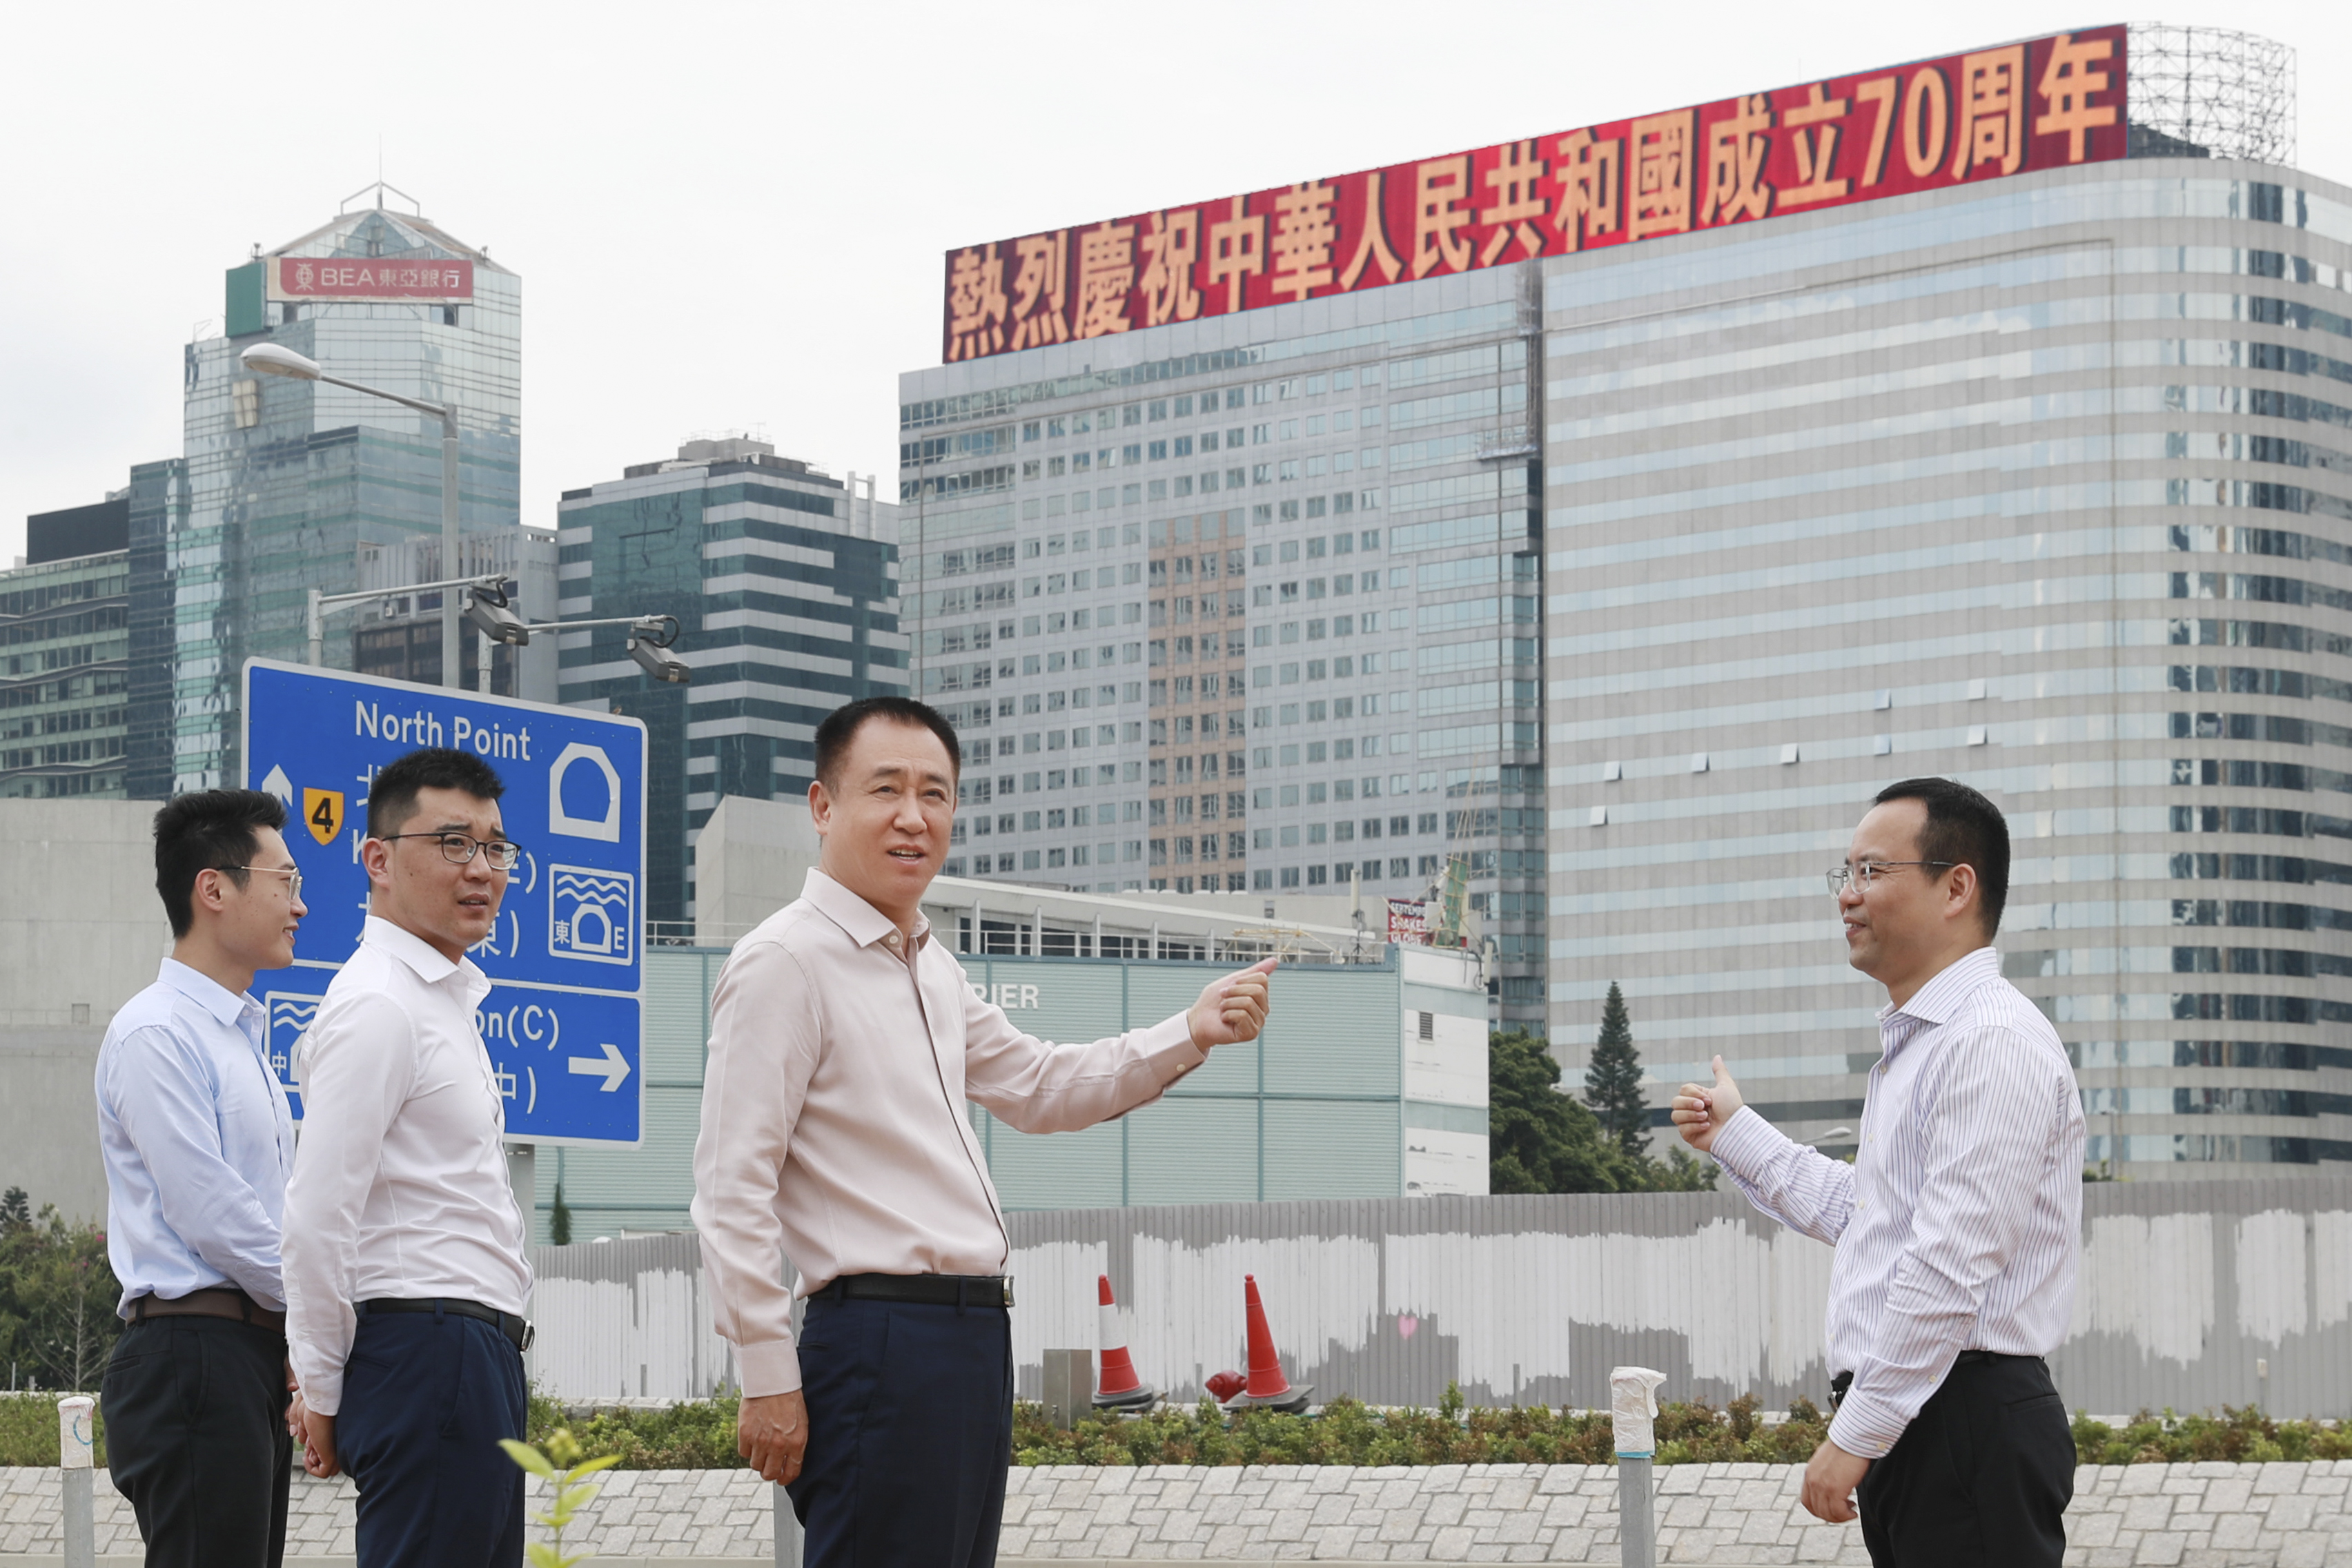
column 2043, row 484
column 784, row 583
column 1244, row 603
column 1915, row 421
column 283, row 482
column 65, row 611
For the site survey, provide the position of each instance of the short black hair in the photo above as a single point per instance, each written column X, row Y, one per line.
column 391, row 797
column 208, row 830
column 1966, row 829
column 841, row 726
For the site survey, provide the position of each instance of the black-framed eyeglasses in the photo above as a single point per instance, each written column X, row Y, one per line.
column 293, row 877
column 458, row 848
column 1861, row 874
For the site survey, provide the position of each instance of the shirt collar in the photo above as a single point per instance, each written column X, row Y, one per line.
column 226, row 1006
column 417, row 954
column 1935, row 1002
column 861, row 921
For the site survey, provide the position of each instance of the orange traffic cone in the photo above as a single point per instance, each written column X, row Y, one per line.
column 1268, row 1388
column 1120, row 1389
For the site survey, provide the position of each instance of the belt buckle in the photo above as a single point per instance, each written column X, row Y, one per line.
column 529, row 1335
column 1838, row 1386
column 1008, row 1290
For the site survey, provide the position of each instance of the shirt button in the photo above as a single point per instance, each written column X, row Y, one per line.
column 892, row 939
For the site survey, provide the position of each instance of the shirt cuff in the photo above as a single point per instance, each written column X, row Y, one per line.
column 773, row 1367
column 1742, row 1144
column 1168, row 1047
column 1865, row 1426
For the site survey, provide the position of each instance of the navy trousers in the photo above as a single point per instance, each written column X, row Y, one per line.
column 910, row 1432
column 426, row 1396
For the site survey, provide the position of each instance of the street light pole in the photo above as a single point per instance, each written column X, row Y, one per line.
column 273, row 359
column 452, row 673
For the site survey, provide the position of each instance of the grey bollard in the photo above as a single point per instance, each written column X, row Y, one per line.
column 1632, row 1412
column 74, row 1442
column 1069, row 1387
column 1637, row 1523
column 788, row 1530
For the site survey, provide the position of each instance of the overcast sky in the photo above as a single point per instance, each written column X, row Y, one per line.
column 734, row 216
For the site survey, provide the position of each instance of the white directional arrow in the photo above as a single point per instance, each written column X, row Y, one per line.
column 611, row 1068
column 278, row 785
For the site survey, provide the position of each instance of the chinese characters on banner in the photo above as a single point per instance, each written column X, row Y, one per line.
column 2040, row 104
column 367, row 278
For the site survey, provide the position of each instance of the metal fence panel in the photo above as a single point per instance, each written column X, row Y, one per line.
column 2186, row 1289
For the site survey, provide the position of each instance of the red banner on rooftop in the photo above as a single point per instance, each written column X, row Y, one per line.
column 2043, row 103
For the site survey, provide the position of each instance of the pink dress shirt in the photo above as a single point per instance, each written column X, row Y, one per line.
column 833, row 1127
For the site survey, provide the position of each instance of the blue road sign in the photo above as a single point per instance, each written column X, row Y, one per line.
column 563, row 1019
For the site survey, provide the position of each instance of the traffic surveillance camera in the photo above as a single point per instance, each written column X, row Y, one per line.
column 487, row 608
column 650, row 645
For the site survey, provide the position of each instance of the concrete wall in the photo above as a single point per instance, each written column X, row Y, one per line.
column 83, row 933
column 82, row 930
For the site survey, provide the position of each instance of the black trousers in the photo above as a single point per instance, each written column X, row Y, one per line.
column 910, row 1433
column 196, row 1434
column 1982, row 1477
column 426, row 1396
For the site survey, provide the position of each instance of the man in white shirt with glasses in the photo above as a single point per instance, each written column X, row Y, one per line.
column 405, row 1277
column 1959, row 1225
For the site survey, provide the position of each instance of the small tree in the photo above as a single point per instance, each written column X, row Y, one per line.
column 1538, row 1139
column 1613, row 1080
column 559, row 1220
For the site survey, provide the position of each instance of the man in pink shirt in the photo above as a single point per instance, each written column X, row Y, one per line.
column 843, row 1045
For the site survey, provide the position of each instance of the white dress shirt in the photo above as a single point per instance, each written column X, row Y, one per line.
column 1959, row 1225
column 198, row 1141
column 833, row 1127
column 400, row 1184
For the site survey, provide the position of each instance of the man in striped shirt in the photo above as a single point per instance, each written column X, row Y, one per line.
column 1959, row 1225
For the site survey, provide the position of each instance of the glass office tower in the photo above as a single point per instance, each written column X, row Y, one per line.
column 283, row 482
column 1246, row 603
column 2046, row 486
column 784, row 585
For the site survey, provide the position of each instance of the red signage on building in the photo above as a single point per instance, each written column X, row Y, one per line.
column 1409, row 921
column 369, row 278
column 2039, row 104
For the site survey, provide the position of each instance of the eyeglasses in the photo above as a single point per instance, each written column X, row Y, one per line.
column 458, row 848
column 1863, row 873
column 293, row 877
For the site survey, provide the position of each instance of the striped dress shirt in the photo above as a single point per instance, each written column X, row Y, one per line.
column 1959, row 1225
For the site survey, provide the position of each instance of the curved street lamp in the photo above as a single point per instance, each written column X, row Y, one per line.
column 276, row 359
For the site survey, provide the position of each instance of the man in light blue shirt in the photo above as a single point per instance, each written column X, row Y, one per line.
column 198, row 1142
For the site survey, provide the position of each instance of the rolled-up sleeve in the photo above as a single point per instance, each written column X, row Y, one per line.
column 1037, row 1087
column 359, row 1068
column 767, row 1024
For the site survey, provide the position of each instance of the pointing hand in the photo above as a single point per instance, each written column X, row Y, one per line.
column 1701, row 1109
column 1232, row 1011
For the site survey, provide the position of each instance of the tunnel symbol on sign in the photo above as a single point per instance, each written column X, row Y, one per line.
column 563, row 822
column 591, row 914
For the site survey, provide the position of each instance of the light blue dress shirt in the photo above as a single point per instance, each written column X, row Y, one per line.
column 198, row 1142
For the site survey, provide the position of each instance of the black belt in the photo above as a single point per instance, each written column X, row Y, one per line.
column 519, row 1329
column 1844, row 1379
column 923, row 1290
